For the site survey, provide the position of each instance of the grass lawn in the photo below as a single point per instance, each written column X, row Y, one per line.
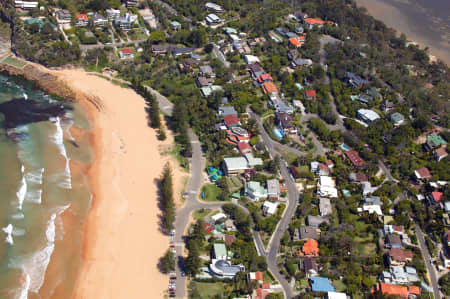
column 202, row 213
column 208, row 290
column 14, row 62
column 267, row 277
column 339, row 285
column 211, row 191
column 302, row 284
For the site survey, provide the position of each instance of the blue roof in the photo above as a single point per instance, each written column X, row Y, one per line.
column 321, row 284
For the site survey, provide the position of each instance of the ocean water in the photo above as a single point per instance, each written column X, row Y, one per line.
column 43, row 202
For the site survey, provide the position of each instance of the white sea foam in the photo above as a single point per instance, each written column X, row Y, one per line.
column 34, row 176
column 23, row 294
column 58, row 139
column 8, row 231
column 25, row 96
column 17, row 232
column 34, row 196
column 18, row 216
column 21, row 193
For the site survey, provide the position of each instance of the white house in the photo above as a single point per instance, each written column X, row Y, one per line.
column 367, row 116
column 214, row 7
column 371, row 209
column 26, row 4
column 326, row 187
column 269, row 208
column 250, row 59
column 218, row 217
column 254, row 191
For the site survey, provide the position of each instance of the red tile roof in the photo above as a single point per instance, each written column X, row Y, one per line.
column 82, row 17
column 244, row 146
column 266, row 285
column 259, row 276
column 261, row 294
column 437, row 196
column 414, row 290
column 400, row 255
column 314, row 21
column 310, row 93
column 269, row 87
column 126, row 51
column 392, row 289
column 208, row 227
column 264, row 77
column 355, row 158
column 441, row 152
column 295, row 42
column 311, row 247
column 424, row 173
column 231, row 120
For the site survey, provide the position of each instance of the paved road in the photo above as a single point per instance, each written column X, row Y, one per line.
column 115, row 45
column 427, row 258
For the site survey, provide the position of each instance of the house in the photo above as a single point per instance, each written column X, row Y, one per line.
column 82, row 20
column 149, row 17
column 372, row 200
column 358, row 177
column 440, row 154
column 335, row 295
column 126, row 53
column 26, row 4
column 220, row 251
column 255, row 70
column 207, row 71
column 251, row 59
column 279, row 105
column 316, row 221
column 311, row 22
column 63, row 17
column 269, row 87
column 321, row 284
column 354, row 158
column 219, row 217
column 393, row 241
column 227, row 110
column 132, row 3
column 387, row 106
column 214, row 7
column 362, row 98
column 300, row 62
column 371, row 209
column 99, row 19
column 244, row 148
column 435, row 197
column 310, row 94
column 434, row 141
column 273, row 189
column 181, row 51
column 295, row 42
column 284, row 123
column 188, row 64
column 235, row 165
column 367, row 116
column 254, row 191
column 397, row 119
column 325, row 207
column 204, row 82
column 213, row 19
column 269, row 208
column 256, row 276
column 124, row 22
column 222, row 268
column 175, row 25
column 393, row 229
column 264, row 78
column 320, row 169
column 293, row 54
column 355, row 80
column 112, row 13
column 422, row 174
column 399, row 257
column 392, row 290
column 397, row 275
column 310, row 248
column 231, row 121
column 310, row 267
column 160, row 49
column 207, row 91
column 307, row 232
column 326, row 187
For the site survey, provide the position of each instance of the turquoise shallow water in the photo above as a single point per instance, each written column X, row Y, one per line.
column 42, row 203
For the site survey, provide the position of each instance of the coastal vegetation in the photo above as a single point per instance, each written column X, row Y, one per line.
column 167, row 262
column 167, row 202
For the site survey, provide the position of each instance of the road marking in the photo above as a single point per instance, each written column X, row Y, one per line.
column 194, row 141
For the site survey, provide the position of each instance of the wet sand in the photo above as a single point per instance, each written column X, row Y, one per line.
column 411, row 25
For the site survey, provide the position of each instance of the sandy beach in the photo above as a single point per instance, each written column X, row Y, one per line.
column 122, row 242
column 410, row 26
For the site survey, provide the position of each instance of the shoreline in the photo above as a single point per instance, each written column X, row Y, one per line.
column 401, row 22
column 122, row 241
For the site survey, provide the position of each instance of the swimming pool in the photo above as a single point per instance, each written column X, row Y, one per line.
column 277, row 133
column 344, row 147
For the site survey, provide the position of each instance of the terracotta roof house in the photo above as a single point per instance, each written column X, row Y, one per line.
column 244, row 148
column 231, row 121
column 440, row 154
column 392, row 290
column 422, row 174
column 295, row 42
column 358, row 177
column 82, row 20
column 354, row 157
column 311, row 22
column 126, row 53
column 258, row 276
column 208, row 227
column 310, row 267
column 435, row 197
column 310, row 94
column 263, row 78
column 268, row 87
column 311, row 248
column 399, row 257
